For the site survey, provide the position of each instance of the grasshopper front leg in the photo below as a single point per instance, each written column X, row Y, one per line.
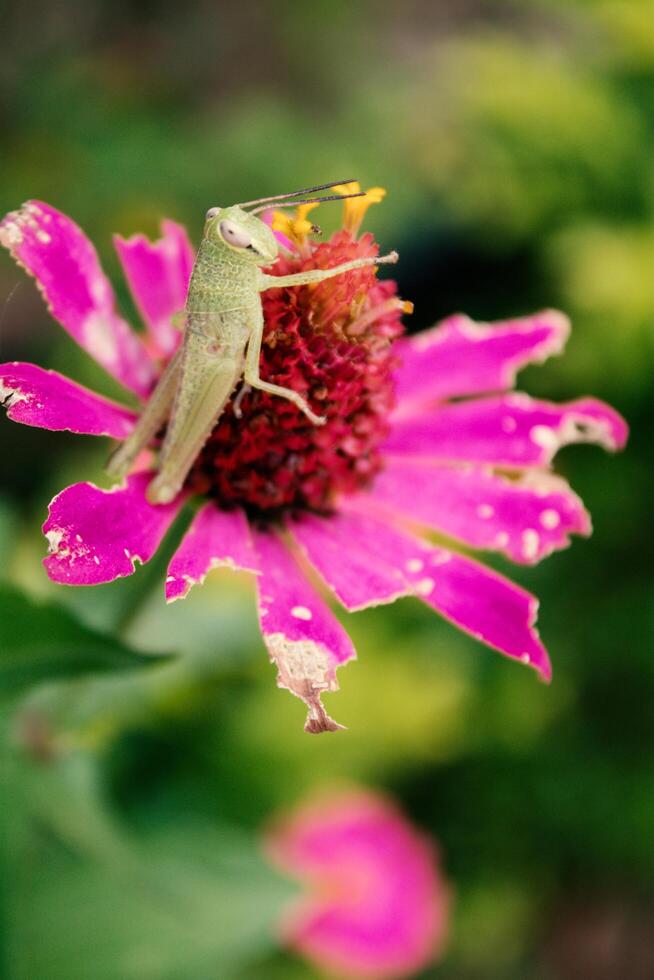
column 254, row 346
column 251, row 375
column 318, row 275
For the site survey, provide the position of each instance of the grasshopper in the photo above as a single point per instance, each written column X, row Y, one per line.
column 223, row 332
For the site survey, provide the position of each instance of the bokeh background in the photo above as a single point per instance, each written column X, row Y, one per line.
column 516, row 141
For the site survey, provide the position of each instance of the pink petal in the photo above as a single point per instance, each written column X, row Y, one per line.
column 460, row 357
column 158, row 274
column 375, row 903
column 511, row 430
column 98, row 535
column 486, row 605
column 267, row 217
column 368, row 556
column 526, row 518
column 304, row 639
column 216, row 538
column 351, row 553
column 48, row 400
column 284, row 241
column 65, row 265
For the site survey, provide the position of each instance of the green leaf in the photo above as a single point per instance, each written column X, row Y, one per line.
column 83, row 920
column 43, row 641
column 89, row 898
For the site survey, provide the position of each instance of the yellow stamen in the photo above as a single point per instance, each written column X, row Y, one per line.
column 294, row 227
column 355, row 207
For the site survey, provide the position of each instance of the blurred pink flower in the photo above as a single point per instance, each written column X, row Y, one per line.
column 374, row 901
column 421, row 436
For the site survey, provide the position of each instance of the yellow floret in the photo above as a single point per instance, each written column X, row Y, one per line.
column 296, row 228
column 355, row 207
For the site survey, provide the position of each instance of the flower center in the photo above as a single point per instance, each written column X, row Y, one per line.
column 332, row 343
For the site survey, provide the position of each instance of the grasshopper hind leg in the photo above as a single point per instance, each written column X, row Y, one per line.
column 153, row 417
column 206, row 382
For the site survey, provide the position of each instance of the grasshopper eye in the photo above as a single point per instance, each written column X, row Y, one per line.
column 211, row 213
column 234, row 235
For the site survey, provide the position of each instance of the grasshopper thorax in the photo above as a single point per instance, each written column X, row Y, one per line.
column 241, row 233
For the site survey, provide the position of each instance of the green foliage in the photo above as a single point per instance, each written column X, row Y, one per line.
column 41, row 642
column 88, row 899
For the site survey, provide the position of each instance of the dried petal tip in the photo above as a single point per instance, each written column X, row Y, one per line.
column 304, row 640
column 318, row 720
column 304, row 669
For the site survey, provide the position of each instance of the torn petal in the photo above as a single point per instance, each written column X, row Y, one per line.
column 303, row 637
column 98, row 535
column 511, row 430
column 473, row 597
column 48, row 400
column 486, row 605
column 525, row 519
column 54, row 250
column 216, row 538
column 158, row 275
column 460, row 357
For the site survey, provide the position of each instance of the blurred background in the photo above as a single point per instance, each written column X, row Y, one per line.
column 516, row 141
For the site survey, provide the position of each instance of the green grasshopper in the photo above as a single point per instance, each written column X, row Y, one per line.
column 223, row 317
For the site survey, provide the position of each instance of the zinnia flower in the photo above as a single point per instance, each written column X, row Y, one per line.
column 375, row 904
column 423, row 434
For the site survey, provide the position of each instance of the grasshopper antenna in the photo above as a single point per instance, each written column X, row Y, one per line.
column 311, row 200
column 305, row 190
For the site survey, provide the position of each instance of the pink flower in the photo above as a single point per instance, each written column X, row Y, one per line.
column 422, row 434
column 374, row 904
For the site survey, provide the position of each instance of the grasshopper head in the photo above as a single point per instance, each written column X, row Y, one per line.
column 243, row 233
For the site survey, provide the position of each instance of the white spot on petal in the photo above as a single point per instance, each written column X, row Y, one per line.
column 99, row 339
column 415, row 565
column 64, row 547
column 440, row 558
column 485, row 511
column 530, row 543
column 301, row 612
column 99, row 290
column 11, row 233
column 545, row 437
column 550, row 519
column 425, row 586
column 509, row 424
column 54, row 538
